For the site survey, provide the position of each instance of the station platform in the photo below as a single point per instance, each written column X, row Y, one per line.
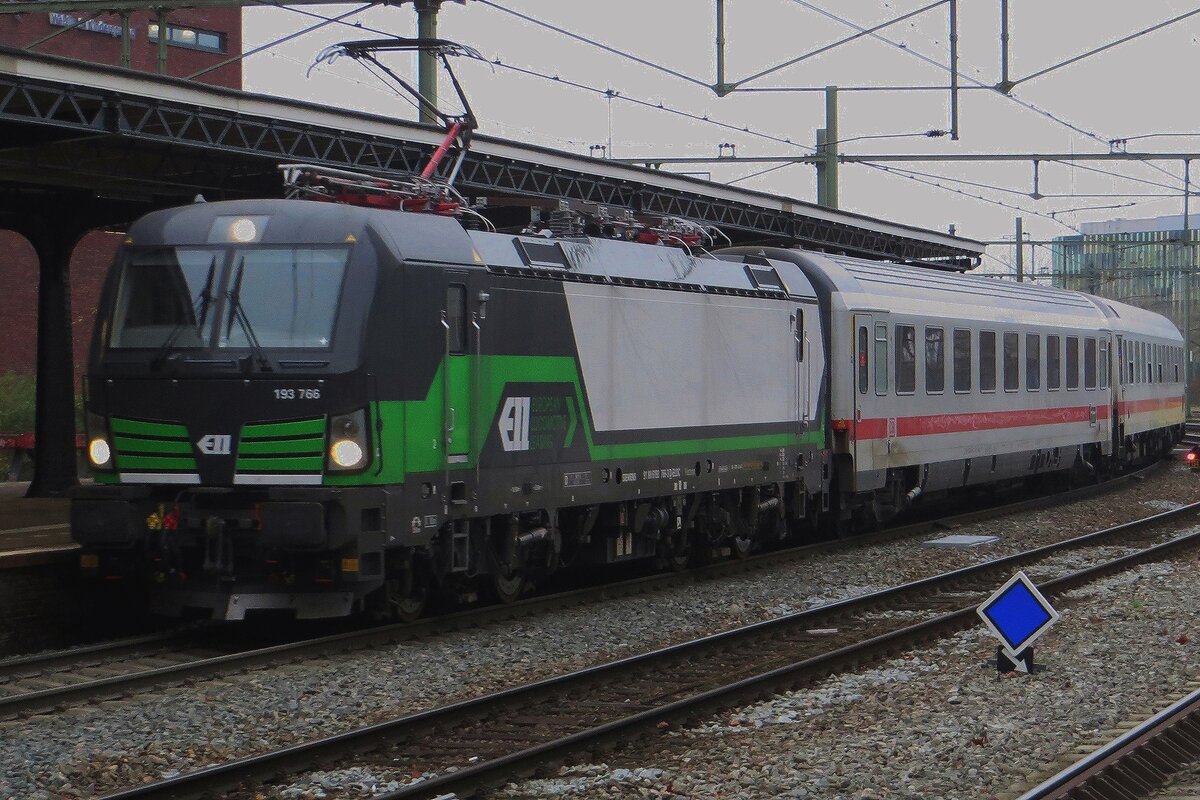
column 33, row 530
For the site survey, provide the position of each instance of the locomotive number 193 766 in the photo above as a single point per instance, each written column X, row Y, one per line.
column 297, row 394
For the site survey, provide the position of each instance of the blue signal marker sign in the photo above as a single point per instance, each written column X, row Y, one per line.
column 1017, row 615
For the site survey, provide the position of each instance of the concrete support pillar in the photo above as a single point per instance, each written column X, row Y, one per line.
column 54, row 428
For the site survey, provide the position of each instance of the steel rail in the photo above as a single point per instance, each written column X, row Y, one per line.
column 336, row 644
column 1138, row 762
column 506, row 704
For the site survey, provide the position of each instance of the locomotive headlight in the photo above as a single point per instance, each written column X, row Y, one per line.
column 99, row 452
column 243, row 230
column 346, row 453
column 348, row 441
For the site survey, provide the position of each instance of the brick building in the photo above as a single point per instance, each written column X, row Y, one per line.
column 196, row 39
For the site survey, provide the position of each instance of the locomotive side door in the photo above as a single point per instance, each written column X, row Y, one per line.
column 459, row 325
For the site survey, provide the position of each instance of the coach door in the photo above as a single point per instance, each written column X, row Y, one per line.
column 1117, row 393
column 872, row 427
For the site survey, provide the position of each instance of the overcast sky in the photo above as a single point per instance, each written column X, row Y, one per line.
column 1144, row 86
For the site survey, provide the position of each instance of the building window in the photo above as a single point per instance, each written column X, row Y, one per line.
column 179, row 36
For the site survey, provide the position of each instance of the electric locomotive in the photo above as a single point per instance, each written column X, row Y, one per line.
column 321, row 407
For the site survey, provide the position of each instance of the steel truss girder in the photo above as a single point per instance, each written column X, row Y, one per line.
column 187, row 141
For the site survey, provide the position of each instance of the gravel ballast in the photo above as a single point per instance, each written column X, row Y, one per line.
column 934, row 723
column 101, row 748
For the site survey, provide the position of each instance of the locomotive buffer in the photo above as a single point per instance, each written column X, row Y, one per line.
column 1017, row 614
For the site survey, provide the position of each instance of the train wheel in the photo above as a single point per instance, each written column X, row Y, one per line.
column 405, row 592
column 742, row 547
column 508, row 589
column 409, row 609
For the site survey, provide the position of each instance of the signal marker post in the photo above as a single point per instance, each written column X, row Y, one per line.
column 1017, row 614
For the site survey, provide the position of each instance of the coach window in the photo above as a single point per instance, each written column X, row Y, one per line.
column 1176, row 361
column 987, row 361
column 962, row 360
column 1159, row 348
column 935, row 360
column 1089, row 363
column 906, row 359
column 1033, row 362
column 456, row 317
column 1012, row 362
column 863, row 374
column 1072, row 362
column 881, row 359
column 1053, row 363
column 1104, row 364
column 1148, row 355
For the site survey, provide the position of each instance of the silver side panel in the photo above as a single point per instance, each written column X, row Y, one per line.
column 653, row 359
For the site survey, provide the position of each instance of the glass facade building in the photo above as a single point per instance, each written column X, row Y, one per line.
column 1140, row 262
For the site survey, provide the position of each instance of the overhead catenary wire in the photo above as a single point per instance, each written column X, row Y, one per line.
column 861, row 31
column 945, row 67
column 702, row 118
column 592, row 42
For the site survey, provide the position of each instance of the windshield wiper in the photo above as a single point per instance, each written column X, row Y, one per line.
column 237, row 312
column 199, row 314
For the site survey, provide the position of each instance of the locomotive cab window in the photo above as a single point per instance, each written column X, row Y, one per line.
column 1012, row 361
column 935, row 360
column 287, row 297
column 266, row 297
column 1072, row 363
column 163, row 292
column 1033, row 362
column 881, row 358
column 962, row 360
column 799, row 330
column 987, row 361
column 456, row 317
column 906, row 359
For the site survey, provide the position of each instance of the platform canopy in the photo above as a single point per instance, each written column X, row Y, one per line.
column 148, row 141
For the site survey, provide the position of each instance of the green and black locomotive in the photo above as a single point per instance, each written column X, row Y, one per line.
column 321, row 408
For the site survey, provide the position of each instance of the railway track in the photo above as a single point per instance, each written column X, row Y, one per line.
column 485, row 741
column 1135, row 764
column 43, row 683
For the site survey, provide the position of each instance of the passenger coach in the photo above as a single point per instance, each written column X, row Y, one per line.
column 943, row 381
